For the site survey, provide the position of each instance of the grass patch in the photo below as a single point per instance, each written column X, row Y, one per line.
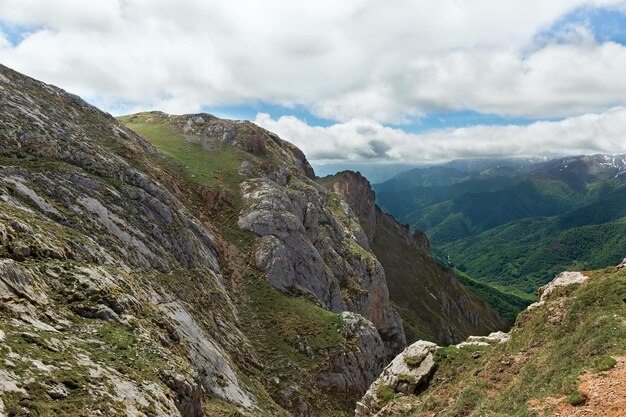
column 291, row 321
column 541, row 360
column 385, row 393
column 467, row 402
column 576, row 398
column 415, row 361
column 213, row 166
column 605, row 363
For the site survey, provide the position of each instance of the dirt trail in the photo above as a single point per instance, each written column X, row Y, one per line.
column 606, row 392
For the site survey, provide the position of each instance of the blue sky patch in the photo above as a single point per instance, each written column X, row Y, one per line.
column 465, row 118
column 15, row 33
column 606, row 24
column 432, row 121
column 249, row 112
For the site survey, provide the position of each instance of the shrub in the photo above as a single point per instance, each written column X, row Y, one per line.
column 385, row 393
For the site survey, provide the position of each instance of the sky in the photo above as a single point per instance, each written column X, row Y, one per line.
column 394, row 81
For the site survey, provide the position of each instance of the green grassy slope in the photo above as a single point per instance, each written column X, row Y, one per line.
column 507, row 305
column 579, row 332
column 473, row 213
column 528, row 253
column 404, row 202
column 214, row 167
column 517, row 229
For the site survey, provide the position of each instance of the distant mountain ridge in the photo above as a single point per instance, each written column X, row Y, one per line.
column 517, row 226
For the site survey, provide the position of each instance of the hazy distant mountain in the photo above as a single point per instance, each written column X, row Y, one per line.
column 374, row 172
column 481, row 164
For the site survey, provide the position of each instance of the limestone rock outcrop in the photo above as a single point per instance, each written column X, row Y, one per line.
column 562, row 280
column 430, row 298
column 307, row 248
column 406, row 374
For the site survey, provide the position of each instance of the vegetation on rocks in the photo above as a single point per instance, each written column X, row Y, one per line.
column 128, row 287
column 553, row 346
column 431, row 301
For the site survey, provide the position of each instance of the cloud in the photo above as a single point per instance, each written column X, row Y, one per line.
column 361, row 140
column 390, row 61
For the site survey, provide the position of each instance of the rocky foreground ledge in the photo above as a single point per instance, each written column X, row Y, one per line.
column 411, row 371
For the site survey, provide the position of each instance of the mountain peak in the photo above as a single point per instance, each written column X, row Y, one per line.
column 431, row 301
column 357, row 191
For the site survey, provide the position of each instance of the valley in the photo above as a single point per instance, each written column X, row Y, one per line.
column 515, row 226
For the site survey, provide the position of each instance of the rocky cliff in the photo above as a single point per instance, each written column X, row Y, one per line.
column 310, row 244
column 432, row 302
column 200, row 271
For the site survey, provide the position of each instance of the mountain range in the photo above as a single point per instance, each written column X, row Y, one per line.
column 517, row 225
column 185, row 266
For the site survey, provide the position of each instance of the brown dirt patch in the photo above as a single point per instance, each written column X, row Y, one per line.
column 606, row 392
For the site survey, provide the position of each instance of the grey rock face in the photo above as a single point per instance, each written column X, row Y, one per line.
column 405, row 374
column 91, row 232
column 189, row 394
column 431, row 295
column 97, row 312
column 218, row 375
column 309, row 248
column 95, row 226
column 15, row 280
column 364, row 364
column 57, row 391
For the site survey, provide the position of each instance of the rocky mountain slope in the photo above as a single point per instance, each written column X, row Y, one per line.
column 565, row 356
column 307, row 245
column 432, row 302
column 164, row 265
column 135, row 283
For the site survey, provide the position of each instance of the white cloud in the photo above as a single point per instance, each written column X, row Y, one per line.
column 387, row 61
column 359, row 140
column 362, row 63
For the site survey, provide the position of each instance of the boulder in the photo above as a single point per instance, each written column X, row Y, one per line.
column 100, row 311
column 406, row 374
column 57, row 391
column 562, row 280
